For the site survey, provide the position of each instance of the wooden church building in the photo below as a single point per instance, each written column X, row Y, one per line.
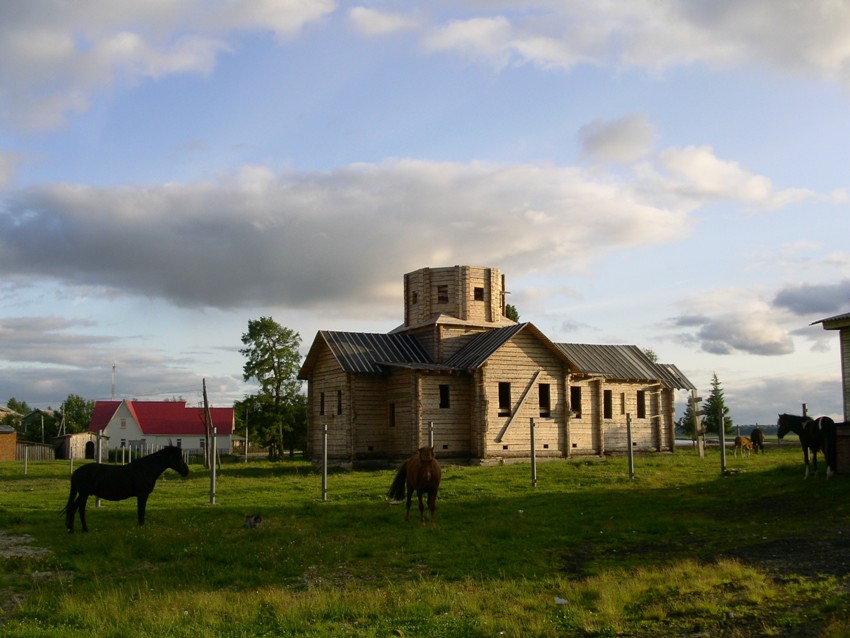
column 460, row 371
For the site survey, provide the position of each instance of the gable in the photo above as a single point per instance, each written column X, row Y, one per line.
column 163, row 418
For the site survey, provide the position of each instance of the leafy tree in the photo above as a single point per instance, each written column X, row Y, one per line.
column 511, row 313
column 715, row 411
column 78, row 413
column 20, row 407
column 650, row 353
column 273, row 361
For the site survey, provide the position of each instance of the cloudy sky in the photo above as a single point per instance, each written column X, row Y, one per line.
column 666, row 173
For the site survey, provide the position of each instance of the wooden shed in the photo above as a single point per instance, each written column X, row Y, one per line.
column 460, row 371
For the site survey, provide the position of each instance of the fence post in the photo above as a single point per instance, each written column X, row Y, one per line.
column 430, row 434
column 97, row 460
column 630, row 445
column 212, row 469
column 533, row 456
column 325, row 462
column 26, row 458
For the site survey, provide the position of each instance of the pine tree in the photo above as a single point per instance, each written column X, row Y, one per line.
column 685, row 425
column 715, row 411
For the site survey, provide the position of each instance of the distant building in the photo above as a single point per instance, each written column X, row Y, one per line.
column 150, row 425
column 459, row 370
column 8, row 441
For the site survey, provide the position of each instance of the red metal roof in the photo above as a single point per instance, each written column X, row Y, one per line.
column 164, row 417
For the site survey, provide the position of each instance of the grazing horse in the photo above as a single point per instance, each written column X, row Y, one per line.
column 816, row 435
column 420, row 472
column 743, row 443
column 117, row 482
column 757, row 437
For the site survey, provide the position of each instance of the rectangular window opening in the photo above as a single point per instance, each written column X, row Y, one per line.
column 504, row 399
column 543, row 392
column 641, row 404
column 444, row 396
column 339, row 401
column 622, row 402
column 391, row 415
column 321, row 403
column 443, row 293
column 608, row 404
column 478, row 294
column 575, row 401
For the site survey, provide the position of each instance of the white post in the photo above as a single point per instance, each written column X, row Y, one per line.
column 631, row 446
column 212, row 469
column 325, row 462
column 533, row 456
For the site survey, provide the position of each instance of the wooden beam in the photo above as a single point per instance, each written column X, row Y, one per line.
column 516, row 409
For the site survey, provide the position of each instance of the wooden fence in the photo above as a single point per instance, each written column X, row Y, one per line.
column 34, row 451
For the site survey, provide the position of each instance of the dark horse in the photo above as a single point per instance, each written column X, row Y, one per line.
column 757, row 437
column 420, row 472
column 816, row 435
column 117, row 482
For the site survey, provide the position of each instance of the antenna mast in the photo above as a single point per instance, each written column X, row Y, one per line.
column 113, row 381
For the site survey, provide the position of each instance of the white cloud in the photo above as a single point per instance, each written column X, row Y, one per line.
column 696, row 172
column 54, row 57
column 257, row 235
column 373, row 22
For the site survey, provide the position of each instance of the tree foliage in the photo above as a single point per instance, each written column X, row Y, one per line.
column 77, row 412
column 511, row 312
column 273, row 361
column 715, row 411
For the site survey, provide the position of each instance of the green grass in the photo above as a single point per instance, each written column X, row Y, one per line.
column 588, row 552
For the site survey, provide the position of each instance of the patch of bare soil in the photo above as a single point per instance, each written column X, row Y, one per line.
column 16, row 548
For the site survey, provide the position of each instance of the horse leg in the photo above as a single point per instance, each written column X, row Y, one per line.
column 432, row 506
column 141, row 502
column 81, row 508
column 71, row 510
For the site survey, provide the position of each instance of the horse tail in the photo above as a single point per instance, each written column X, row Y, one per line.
column 396, row 492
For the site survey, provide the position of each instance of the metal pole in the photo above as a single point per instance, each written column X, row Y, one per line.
column 26, row 458
column 631, row 445
column 533, row 456
column 430, row 434
column 71, row 456
column 721, row 427
column 212, row 469
column 325, row 462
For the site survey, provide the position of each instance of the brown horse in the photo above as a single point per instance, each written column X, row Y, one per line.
column 757, row 437
column 742, row 444
column 420, row 472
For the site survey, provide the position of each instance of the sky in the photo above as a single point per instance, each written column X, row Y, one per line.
column 671, row 174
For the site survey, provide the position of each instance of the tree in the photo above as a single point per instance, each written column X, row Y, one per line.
column 511, row 313
column 650, row 353
column 273, row 361
column 715, row 411
column 685, row 425
column 77, row 413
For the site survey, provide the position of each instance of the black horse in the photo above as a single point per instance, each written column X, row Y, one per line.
column 117, row 482
column 757, row 437
column 816, row 435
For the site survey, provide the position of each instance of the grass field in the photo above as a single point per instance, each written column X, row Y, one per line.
column 680, row 550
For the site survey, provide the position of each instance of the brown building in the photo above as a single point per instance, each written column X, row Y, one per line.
column 460, row 371
column 8, row 442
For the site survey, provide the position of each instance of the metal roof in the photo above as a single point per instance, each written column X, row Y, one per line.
column 371, row 352
column 836, row 318
column 475, row 353
column 625, row 363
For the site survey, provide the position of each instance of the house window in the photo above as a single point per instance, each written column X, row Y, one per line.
column 123, row 424
column 575, row 401
column 339, row 401
column 478, row 294
column 180, row 443
column 641, row 404
column 321, row 403
column 444, row 396
column 443, row 293
column 123, row 442
column 391, row 415
column 608, row 404
column 622, row 402
column 544, row 399
column 414, row 297
column 201, row 443
column 504, row 399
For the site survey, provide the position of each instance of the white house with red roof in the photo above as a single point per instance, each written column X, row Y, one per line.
column 150, row 425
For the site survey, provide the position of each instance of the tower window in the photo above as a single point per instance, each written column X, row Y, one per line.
column 414, row 297
column 478, row 294
column 641, row 404
column 443, row 293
